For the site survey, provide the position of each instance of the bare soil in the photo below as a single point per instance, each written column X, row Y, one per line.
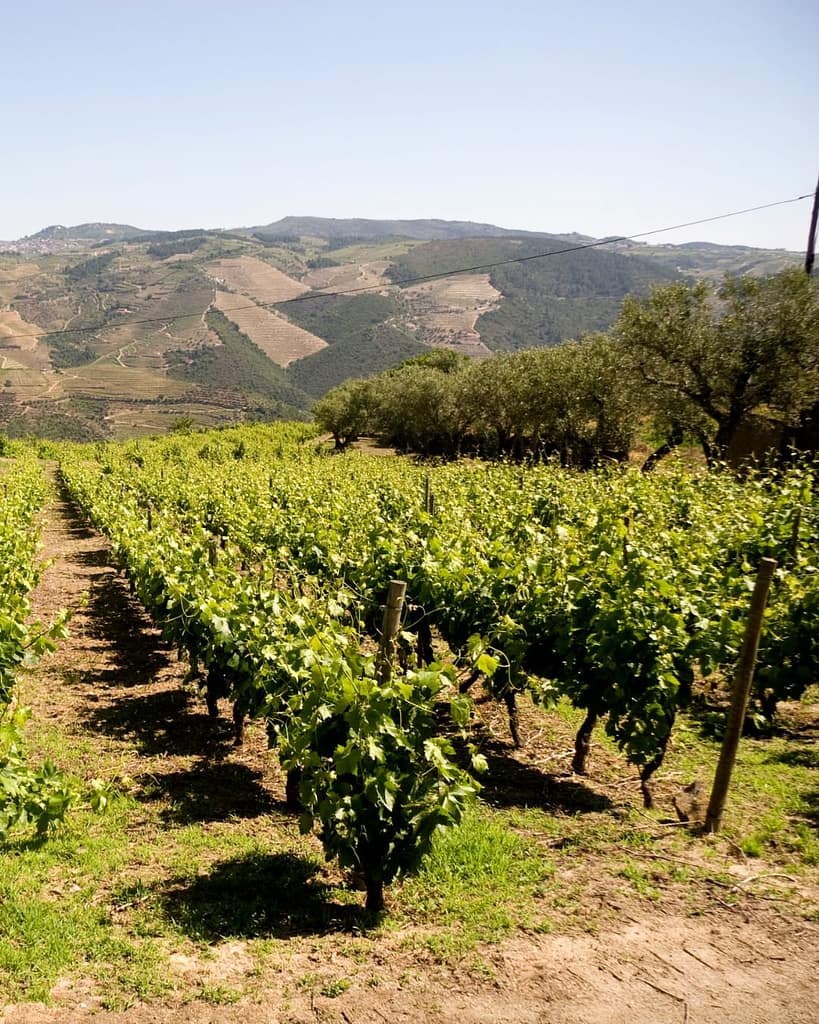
column 753, row 962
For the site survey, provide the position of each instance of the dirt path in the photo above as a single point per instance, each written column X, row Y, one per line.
column 115, row 679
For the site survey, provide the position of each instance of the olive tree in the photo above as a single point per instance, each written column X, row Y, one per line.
column 709, row 358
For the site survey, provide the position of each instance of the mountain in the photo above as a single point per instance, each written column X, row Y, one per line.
column 109, row 330
column 369, row 230
column 58, row 238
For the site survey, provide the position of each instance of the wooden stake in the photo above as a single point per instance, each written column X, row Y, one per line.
column 810, row 253
column 739, row 698
column 389, row 629
column 429, row 497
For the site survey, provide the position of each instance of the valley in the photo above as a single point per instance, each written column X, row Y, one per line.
column 106, row 330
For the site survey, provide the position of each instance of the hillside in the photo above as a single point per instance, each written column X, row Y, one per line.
column 113, row 330
column 58, row 238
column 369, row 230
column 541, row 301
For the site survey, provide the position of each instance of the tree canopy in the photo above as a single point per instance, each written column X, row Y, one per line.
column 692, row 359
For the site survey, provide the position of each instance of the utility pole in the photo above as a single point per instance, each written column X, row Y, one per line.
column 811, row 250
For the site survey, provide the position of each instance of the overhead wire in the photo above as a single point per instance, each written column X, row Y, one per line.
column 419, row 279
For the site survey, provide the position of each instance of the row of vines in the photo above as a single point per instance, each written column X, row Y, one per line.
column 29, row 796
column 267, row 563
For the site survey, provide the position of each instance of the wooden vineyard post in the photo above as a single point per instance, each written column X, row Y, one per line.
column 389, row 630
column 739, row 697
column 429, row 497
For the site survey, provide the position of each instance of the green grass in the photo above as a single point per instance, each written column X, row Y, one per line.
column 480, row 882
column 108, row 898
column 773, row 802
column 53, row 922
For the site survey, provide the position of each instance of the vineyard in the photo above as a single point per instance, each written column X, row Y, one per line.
column 610, row 602
column 267, row 567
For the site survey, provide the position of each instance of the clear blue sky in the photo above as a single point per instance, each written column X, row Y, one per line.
column 590, row 116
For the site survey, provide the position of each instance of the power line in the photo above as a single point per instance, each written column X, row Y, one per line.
column 311, row 296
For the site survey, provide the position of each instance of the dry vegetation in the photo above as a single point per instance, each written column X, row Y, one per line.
column 369, row 274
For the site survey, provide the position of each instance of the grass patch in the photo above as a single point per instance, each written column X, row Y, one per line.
column 773, row 803
column 55, row 919
column 169, row 869
column 479, row 882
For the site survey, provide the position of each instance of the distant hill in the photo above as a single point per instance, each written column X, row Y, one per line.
column 59, row 238
column 110, row 330
column 543, row 301
column 359, row 228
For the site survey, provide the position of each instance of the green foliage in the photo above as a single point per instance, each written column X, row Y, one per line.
column 575, row 401
column 375, row 778
column 344, row 318
column 710, row 359
column 28, row 796
column 613, row 587
column 375, row 350
column 61, row 423
column 344, row 412
column 88, row 270
column 175, row 246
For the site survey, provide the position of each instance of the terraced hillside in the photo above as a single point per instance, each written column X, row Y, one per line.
column 281, row 340
column 445, row 312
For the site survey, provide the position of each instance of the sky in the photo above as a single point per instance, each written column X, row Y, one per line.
column 597, row 117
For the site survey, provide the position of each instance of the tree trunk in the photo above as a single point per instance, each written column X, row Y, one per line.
column 292, row 790
column 510, row 698
column 648, row 769
column 467, row 684
column 674, row 440
column 375, row 893
column 711, row 452
column 426, row 655
column 726, row 430
column 238, row 723
column 211, row 700
column 582, row 742
column 645, row 775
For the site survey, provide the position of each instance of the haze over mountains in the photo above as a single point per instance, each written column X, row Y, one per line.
column 114, row 330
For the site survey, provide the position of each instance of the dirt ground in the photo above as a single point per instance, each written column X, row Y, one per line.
column 751, row 963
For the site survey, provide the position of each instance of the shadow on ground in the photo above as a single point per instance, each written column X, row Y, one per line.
column 211, row 790
column 114, row 615
column 802, row 757
column 161, row 722
column 137, row 652
column 272, row 895
column 510, row 783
